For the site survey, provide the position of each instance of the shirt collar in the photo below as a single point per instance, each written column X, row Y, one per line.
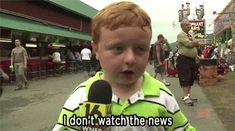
column 150, row 87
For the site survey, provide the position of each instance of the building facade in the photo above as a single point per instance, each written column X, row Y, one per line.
column 224, row 25
column 39, row 23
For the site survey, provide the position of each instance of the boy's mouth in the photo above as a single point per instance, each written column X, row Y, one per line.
column 128, row 72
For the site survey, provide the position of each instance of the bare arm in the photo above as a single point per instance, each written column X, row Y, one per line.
column 25, row 61
column 4, row 75
column 25, row 55
column 12, row 60
column 187, row 42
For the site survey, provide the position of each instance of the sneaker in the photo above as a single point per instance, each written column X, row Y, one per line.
column 18, row 88
column 193, row 99
column 188, row 101
column 166, row 83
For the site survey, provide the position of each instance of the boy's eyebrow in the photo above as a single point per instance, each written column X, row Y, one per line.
column 111, row 44
column 115, row 42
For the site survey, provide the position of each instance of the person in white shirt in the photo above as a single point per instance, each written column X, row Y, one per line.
column 86, row 59
column 56, row 57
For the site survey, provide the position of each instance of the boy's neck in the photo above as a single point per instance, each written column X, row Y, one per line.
column 126, row 91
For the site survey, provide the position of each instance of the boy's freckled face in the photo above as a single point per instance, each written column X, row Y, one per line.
column 123, row 53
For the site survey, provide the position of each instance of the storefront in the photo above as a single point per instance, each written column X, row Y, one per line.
column 39, row 23
column 224, row 28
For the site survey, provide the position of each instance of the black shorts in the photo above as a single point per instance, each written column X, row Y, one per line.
column 186, row 70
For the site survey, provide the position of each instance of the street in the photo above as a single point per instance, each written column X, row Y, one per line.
column 37, row 108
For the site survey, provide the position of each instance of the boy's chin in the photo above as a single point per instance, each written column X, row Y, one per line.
column 127, row 81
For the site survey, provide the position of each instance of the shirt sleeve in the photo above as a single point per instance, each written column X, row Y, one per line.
column 25, row 52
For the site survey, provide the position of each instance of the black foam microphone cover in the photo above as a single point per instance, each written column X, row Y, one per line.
column 100, row 92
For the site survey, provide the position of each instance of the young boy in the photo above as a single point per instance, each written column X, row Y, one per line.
column 121, row 34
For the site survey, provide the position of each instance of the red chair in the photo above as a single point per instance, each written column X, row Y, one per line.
column 50, row 67
column 43, row 71
column 33, row 70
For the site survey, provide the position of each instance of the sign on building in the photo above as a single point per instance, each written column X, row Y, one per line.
column 198, row 28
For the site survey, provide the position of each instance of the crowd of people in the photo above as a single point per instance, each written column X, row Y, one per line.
column 79, row 59
column 184, row 60
column 220, row 54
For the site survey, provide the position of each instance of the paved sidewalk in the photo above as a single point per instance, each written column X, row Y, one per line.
column 202, row 115
column 36, row 108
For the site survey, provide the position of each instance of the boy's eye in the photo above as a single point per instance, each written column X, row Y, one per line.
column 140, row 50
column 117, row 49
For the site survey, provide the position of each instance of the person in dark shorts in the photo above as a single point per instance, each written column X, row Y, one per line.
column 186, row 67
column 187, row 50
column 159, row 59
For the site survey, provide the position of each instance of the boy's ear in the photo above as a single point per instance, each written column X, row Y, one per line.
column 95, row 48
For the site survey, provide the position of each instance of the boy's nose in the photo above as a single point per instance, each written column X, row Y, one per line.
column 129, row 57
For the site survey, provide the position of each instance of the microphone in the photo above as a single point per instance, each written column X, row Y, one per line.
column 99, row 101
